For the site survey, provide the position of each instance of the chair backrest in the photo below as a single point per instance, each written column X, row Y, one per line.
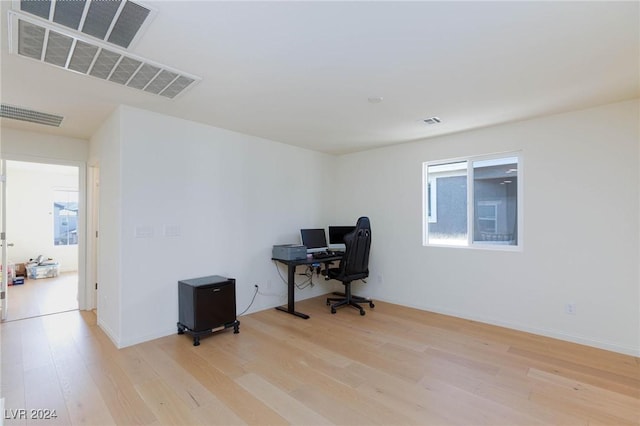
column 355, row 262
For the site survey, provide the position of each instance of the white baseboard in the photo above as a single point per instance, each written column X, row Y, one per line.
column 555, row 334
column 141, row 339
column 110, row 334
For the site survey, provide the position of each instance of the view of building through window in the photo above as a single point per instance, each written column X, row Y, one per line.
column 65, row 217
column 473, row 201
column 447, row 203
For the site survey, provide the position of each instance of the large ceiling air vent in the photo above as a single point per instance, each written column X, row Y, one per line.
column 23, row 114
column 114, row 21
column 33, row 38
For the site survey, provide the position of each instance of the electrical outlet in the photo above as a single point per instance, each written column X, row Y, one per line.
column 570, row 308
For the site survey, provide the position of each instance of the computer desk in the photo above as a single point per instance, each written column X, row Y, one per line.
column 291, row 280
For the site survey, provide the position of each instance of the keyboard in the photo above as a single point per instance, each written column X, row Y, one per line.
column 322, row 255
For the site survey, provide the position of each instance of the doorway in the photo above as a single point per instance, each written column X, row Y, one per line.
column 43, row 223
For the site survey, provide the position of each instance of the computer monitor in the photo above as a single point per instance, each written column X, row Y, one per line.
column 314, row 239
column 336, row 236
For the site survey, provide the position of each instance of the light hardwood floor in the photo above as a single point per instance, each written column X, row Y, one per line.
column 394, row 366
column 43, row 296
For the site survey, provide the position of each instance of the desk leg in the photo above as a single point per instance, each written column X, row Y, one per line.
column 291, row 284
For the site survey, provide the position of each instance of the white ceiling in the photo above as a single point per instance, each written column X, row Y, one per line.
column 301, row 72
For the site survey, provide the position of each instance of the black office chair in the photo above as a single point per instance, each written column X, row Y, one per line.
column 353, row 266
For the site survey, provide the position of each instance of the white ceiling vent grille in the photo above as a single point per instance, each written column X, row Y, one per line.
column 56, row 46
column 115, row 21
column 23, row 114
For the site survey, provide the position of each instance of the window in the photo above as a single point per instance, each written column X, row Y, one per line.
column 65, row 217
column 472, row 202
column 488, row 216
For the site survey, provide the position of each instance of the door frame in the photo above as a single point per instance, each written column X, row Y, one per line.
column 85, row 296
column 4, row 274
column 93, row 220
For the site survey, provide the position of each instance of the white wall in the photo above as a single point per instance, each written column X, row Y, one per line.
column 581, row 228
column 232, row 196
column 32, row 146
column 105, row 152
column 30, row 189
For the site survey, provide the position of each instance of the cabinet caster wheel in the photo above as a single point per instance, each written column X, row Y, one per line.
column 371, row 305
column 196, row 342
column 362, row 313
column 333, row 310
column 180, row 331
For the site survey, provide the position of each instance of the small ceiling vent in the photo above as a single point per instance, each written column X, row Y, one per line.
column 115, row 21
column 56, row 46
column 23, row 114
column 432, row 120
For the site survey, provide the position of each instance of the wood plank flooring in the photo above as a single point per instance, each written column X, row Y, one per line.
column 43, row 296
column 394, row 366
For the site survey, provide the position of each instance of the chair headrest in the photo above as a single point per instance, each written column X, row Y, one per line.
column 363, row 222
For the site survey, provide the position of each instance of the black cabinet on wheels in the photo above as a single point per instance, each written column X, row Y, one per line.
column 207, row 305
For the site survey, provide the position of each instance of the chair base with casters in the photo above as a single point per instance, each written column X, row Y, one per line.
column 348, row 299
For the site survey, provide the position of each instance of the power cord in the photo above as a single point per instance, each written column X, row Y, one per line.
column 252, row 300
column 307, row 283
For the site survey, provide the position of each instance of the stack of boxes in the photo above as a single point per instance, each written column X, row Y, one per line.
column 17, row 273
column 20, row 273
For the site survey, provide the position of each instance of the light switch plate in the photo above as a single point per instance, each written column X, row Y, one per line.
column 143, row 231
column 172, row 230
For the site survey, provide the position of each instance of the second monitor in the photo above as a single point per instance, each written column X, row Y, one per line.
column 336, row 236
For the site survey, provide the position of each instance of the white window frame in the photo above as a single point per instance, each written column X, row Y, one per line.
column 433, row 200
column 470, row 202
column 450, row 171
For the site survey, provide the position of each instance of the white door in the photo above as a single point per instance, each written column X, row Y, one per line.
column 3, row 240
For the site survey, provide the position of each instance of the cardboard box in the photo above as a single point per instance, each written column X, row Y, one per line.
column 20, row 270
